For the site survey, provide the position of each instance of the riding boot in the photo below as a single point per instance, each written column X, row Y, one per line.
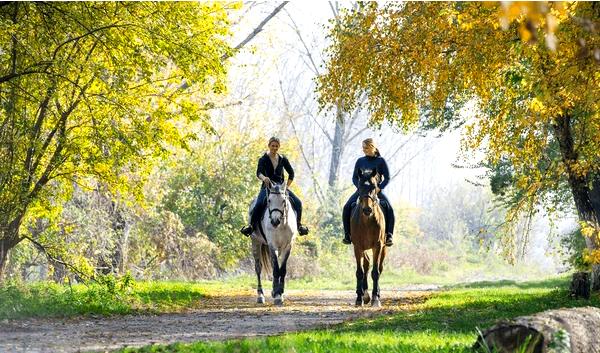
column 247, row 230
column 302, row 230
column 388, row 239
column 346, row 239
column 346, row 218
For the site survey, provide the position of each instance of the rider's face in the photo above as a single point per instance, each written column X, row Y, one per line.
column 274, row 147
column 368, row 150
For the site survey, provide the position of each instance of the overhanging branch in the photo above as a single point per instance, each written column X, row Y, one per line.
column 257, row 30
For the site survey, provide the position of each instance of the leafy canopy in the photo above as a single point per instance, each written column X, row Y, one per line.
column 418, row 63
column 96, row 89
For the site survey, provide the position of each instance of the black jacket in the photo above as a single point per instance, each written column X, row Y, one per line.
column 377, row 164
column 265, row 167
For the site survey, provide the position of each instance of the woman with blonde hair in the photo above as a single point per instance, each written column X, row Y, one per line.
column 373, row 161
column 270, row 170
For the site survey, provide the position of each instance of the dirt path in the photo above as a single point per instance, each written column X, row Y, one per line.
column 215, row 318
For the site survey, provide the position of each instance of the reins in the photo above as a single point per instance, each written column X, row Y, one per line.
column 285, row 199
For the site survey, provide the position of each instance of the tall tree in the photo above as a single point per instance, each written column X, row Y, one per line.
column 418, row 61
column 90, row 89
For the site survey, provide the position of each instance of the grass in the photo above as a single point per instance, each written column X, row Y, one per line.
column 46, row 299
column 446, row 322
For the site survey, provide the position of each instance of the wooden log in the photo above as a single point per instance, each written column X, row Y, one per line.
column 574, row 330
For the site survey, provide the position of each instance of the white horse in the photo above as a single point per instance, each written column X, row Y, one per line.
column 273, row 249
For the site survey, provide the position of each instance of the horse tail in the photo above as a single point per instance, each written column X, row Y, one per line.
column 265, row 258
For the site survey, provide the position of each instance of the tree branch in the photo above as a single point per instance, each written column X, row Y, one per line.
column 315, row 68
column 257, row 30
column 318, row 190
column 54, row 259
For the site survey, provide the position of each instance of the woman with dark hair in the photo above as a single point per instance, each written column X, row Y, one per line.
column 374, row 162
column 270, row 170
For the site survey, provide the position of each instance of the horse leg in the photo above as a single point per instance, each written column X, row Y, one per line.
column 365, row 283
column 282, row 272
column 375, row 275
column 283, row 268
column 381, row 258
column 256, row 252
column 358, row 255
column 275, row 264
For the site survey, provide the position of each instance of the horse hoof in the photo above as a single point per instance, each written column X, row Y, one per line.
column 359, row 302
column 279, row 301
column 376, row 303
column 366, row 299
column 261, row 299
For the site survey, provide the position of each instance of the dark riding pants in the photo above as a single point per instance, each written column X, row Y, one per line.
column 261, row 204
column 388, row 212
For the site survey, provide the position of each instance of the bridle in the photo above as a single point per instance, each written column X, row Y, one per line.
column 373, row 198
column 284, row 211
column 369, row 195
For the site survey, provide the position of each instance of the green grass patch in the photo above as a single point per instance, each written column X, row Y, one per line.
column 446, row 322
column 45, row 299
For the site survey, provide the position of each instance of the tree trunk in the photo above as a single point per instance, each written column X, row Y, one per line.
column 596, row 278
column 3, row 256
column 59, row 271
column 587, row 200
column 337, row 149
column 8, row 240
column 595, row 200
column 575, row 330
column 580, row 285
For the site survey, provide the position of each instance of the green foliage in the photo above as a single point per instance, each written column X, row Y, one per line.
column 573, row 245
column 561, row 342
column 95, row 91
column 211, row 187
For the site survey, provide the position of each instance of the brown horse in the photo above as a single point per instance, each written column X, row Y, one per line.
column 367, row 227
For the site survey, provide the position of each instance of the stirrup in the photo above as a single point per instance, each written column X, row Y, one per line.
column 247, row 230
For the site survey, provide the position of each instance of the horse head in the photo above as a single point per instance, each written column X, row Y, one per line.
column 277, row 204
column 368, row 188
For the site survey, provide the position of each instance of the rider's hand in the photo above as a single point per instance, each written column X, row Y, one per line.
column 267, row 181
